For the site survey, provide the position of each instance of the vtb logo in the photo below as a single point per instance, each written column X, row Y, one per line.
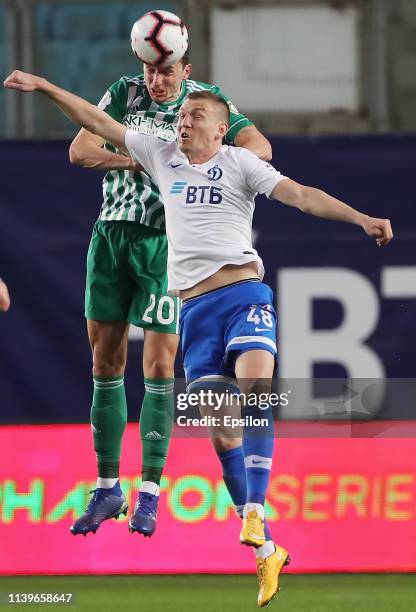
column 198, row 194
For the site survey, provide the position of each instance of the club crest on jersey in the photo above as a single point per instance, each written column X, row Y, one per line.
column 214, row 173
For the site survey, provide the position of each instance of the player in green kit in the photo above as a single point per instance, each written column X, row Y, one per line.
column 126, row 283
column 210, row 266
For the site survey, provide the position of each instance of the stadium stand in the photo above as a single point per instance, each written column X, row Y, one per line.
column 84, row 48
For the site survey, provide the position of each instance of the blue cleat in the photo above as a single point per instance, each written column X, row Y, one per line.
column 143, row 519
column 105, row 504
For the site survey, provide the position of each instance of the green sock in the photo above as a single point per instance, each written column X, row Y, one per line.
column 156, row 420
column 108, row 421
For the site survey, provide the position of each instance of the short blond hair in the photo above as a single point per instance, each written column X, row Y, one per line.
column 211, row 97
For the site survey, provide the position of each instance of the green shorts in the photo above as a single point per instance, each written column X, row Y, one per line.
column 126, row 277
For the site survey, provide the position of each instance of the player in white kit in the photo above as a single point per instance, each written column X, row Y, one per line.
column 228, row 322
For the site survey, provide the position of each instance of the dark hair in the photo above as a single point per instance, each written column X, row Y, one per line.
column 185, row 59
column 208, row 95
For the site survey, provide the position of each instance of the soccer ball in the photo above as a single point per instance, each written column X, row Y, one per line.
column 159, row 38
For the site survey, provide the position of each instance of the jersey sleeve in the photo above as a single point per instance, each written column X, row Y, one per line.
column 259, row 176
column 114, row 101
column 237, row 120
column 141, row 148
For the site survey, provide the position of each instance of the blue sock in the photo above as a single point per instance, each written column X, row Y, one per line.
column 234, row 474
column 258, row 444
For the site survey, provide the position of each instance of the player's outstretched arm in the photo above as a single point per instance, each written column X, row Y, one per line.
column 87, row 150
column 316, row 202
column 250, row 138
column 78, row 110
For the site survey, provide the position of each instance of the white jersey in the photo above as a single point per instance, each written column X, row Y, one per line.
column 208, row 207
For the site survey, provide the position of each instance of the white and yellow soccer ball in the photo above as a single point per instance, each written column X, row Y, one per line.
column 159, row 38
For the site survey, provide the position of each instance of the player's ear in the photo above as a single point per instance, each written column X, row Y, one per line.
column 187, row 71
column 223, row 128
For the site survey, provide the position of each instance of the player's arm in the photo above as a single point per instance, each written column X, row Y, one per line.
column 87, row 150
column 250, row 138
column 77, row 109
column 4, row 297
column 320, row 204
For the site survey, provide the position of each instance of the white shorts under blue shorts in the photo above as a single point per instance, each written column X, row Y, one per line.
column 217, row 326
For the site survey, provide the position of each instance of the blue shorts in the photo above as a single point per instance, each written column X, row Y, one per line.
column 219, row 325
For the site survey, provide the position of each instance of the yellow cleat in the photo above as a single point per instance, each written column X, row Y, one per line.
column 252, row 532
column 268, row 571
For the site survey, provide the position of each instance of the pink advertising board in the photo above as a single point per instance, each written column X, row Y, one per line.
column 337, row 504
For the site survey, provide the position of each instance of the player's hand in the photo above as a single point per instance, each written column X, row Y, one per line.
column 380, row 229
column 4, row 297
column 23, row 81
column 136, row 167
column 133, row 165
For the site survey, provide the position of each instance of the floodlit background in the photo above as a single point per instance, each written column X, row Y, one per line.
column 333, row 86
column 298, row 66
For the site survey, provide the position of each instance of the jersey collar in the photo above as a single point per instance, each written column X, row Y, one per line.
column 180, row 158
column 209, row 161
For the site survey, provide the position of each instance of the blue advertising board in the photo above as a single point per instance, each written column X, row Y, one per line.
column 346, row 307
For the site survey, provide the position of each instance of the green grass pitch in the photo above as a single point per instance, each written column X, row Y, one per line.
column 299, row 593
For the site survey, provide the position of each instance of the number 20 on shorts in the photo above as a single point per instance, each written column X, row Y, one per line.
column 164, row 315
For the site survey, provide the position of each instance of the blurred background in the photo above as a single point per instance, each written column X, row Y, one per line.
column 298, row 66
column 332, row 84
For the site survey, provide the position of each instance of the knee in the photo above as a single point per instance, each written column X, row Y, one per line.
column 159, row 355
column 107, row 365
column 259, row 387
column 159, row 367
column 222, row 444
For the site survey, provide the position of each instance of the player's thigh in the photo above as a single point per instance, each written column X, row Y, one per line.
column 109, row 342
column 254, row 370
column 151, row 308
column 255, row 363
column 154, row 310
column 159, row 352
column 251, row 335
column 202, row 333
column 109, row 290
column 202, row 328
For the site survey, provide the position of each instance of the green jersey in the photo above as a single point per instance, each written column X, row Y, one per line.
column 133, row 196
